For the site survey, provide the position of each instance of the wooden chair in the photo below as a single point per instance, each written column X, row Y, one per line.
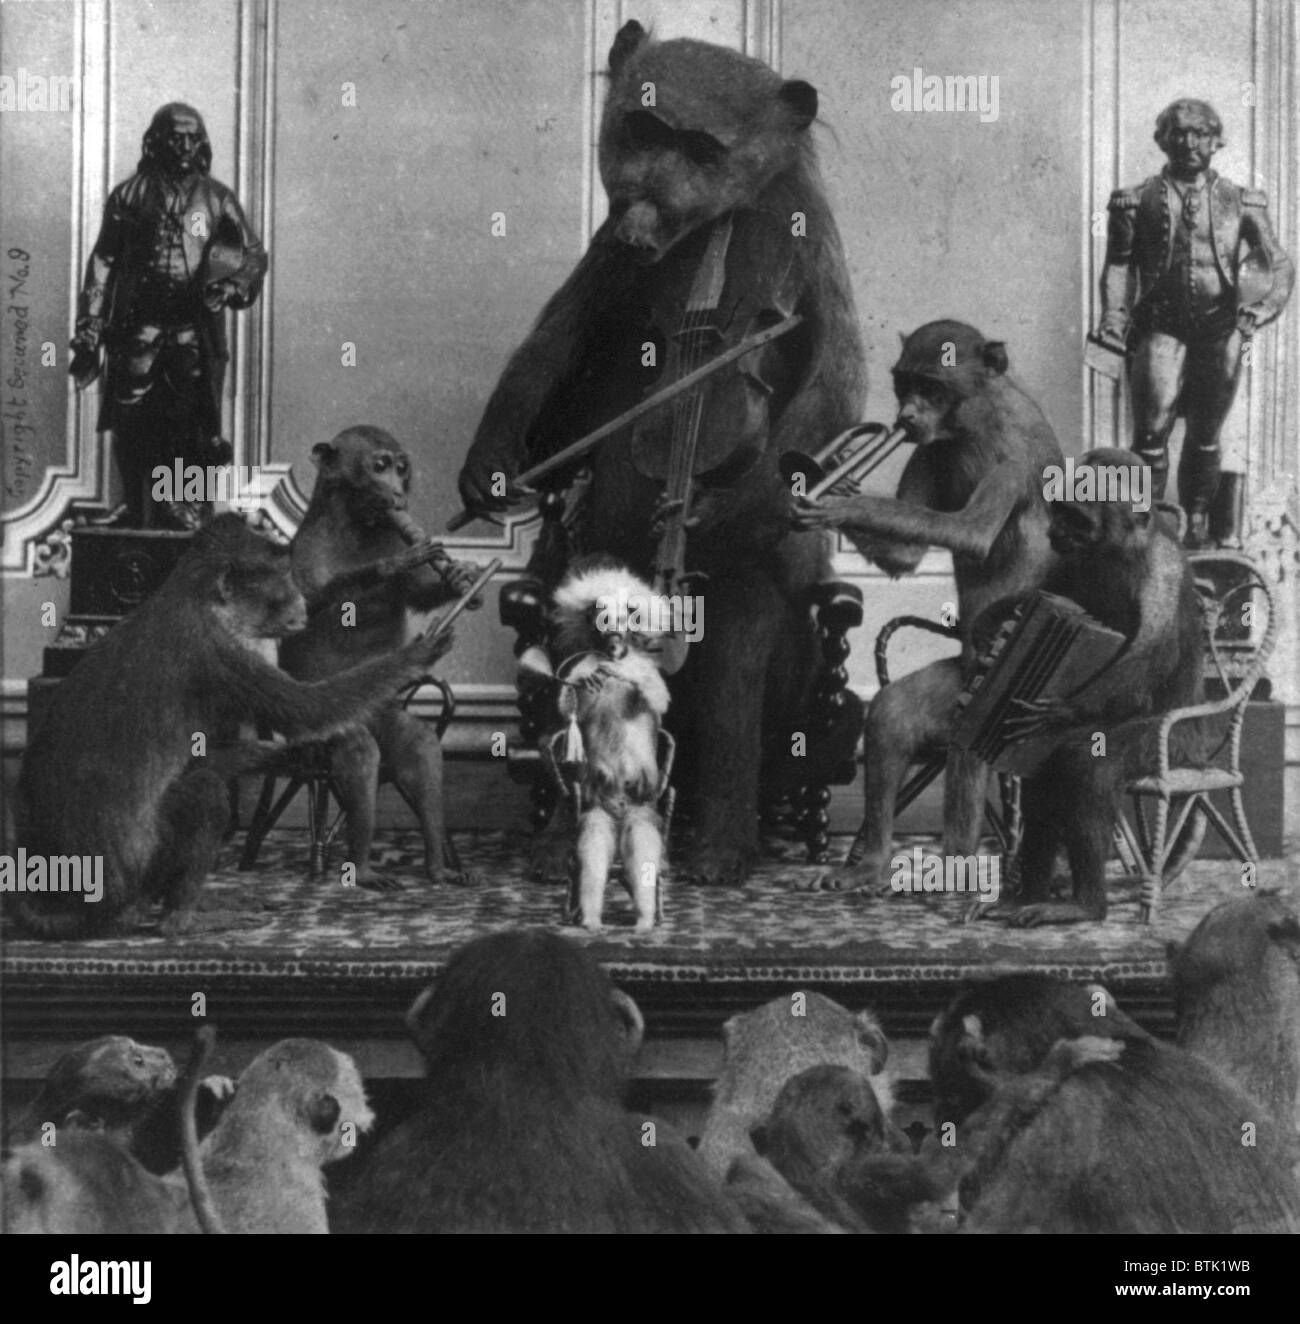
column 1237, row 650
column 307, row 766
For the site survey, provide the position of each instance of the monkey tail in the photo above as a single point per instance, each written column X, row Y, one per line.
column 200, row 1196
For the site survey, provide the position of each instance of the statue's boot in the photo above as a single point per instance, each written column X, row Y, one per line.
column 1227, row 512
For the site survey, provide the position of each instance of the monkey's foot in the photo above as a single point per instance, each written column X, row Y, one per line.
column 182, row 923
column 717, row 866
column 373, row 881
column 552, row 859
column 842, row 878
column 1048, row 912
column 1000, row 910
column 450, row 877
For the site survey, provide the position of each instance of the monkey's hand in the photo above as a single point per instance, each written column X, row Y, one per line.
column 806, row 514
column 596, row 679
column 486, row 488
column 420, row 553
column 460, row 577
column 1035, row 717
column 433, row 644
column 1068, row 1055
column 1248, row 321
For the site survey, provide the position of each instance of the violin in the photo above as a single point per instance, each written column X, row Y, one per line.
column 718, row 429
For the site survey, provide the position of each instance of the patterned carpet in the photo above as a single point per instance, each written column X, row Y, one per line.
column 763, row 931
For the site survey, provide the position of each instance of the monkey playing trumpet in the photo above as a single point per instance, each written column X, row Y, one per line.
column 615, row 758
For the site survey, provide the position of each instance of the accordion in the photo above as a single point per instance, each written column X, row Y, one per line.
column 1048, row 649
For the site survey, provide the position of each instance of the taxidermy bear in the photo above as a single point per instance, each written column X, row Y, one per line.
column 707, row 157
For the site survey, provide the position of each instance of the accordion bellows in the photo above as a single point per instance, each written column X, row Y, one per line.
column 1049, row 649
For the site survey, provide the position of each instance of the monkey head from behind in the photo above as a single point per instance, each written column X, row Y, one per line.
column 522, row 1126
column 1070, row 1118
column 1237, row 996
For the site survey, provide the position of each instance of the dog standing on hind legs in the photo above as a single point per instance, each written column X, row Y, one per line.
column 611, row 692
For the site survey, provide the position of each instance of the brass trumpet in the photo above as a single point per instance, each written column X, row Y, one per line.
column 845, row 461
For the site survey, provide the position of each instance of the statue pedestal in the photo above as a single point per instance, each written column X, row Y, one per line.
column 112, row 571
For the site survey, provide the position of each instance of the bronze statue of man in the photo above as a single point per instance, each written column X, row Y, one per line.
column 174, row 251
column 1173, row 299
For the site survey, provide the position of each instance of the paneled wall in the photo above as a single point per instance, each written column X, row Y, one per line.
column 374, row 141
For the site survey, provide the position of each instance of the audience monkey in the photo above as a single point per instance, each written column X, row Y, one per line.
column 830, row 1139
column 297, row 1106
column 615, row 698
column 522, row 1127
column 111, row 1084
column 87, row 1182
column 1237, row 995
column 364, row 566
column 975, row 486
column 1108, row 1132
column 113, row 771
column 768, row 1045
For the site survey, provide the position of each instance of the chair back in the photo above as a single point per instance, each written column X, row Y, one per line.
column 1234, row 595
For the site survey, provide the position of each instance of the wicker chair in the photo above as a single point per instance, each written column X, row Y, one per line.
column 1237, row 653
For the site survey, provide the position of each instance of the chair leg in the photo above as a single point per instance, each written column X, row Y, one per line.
column 1013, row 819
column 1153, row 863
column 1243, row 827
column 318, row 813
column 814, row 822
column 265, row 819
column 1226, row 832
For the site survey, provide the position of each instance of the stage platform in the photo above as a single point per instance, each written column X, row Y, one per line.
column 319, row 959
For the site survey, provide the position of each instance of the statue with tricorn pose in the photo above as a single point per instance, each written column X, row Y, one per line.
column 1177, row 298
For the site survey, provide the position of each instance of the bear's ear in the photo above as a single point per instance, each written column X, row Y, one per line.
column 800, row 98
column 324, row 453
column 629, row 37
column 995, row 356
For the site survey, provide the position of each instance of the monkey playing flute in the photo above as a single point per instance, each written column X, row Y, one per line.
column 364, row 566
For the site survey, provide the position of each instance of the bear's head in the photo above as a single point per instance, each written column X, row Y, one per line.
column 691, row 131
